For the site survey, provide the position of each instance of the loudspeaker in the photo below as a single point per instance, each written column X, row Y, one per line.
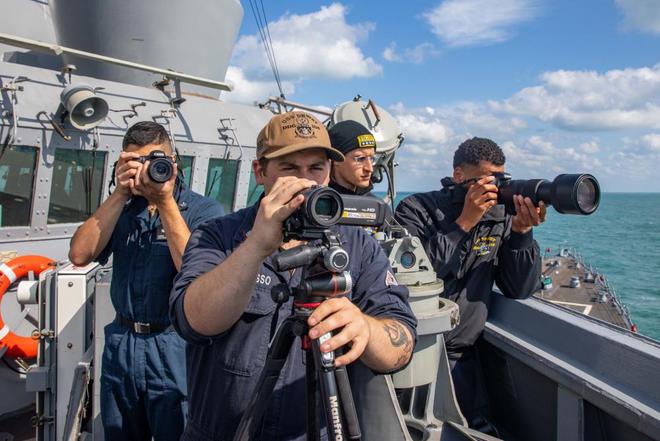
column 86, row 110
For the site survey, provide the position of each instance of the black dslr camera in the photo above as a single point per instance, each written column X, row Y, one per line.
column 161, row 166
column 324, row 207
column 567, row 193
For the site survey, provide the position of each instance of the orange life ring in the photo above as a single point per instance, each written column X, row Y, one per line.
column 18, row 346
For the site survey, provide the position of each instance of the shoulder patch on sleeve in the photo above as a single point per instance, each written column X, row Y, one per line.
column 390, row 280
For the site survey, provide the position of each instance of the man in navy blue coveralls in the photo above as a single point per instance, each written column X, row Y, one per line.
column 472, row 242
column 221, row 298
column 146, row 226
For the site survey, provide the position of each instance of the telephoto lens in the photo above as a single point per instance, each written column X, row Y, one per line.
column 567, row 193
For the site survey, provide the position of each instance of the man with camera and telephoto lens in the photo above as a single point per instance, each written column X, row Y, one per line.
column 145, row 224
column 472, row 242
column 221, row 302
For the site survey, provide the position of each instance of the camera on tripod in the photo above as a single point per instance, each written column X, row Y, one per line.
column 324, row 207
column 567, row 193
column 327, row 261
column 161, row 166
column 324, row 275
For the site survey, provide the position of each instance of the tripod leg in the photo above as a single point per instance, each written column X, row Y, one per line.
column 334, row 403
column 347, row 403
column 312, row 387
column 277, row 355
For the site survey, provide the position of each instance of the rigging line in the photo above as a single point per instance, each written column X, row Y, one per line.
column 267, row 47
column 257, row 19
column 272, row 49
column 263, row 24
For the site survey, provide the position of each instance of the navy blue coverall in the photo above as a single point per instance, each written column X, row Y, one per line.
column 143, row 385
column 223, row 370
column 469, row 263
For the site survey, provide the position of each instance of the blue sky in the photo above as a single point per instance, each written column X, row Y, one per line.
column 563, row 86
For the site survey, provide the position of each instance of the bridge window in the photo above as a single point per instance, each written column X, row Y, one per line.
column 185, row 164
column 254, row 190
column 17, row 165
column 221, row 182
column 77, row 185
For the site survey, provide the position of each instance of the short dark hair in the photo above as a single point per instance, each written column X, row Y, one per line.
column 144, row 133
column 471, row 151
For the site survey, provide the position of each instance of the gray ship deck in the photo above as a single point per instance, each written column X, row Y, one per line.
column 583, row 299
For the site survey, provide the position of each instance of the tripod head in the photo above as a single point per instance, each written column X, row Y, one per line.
column 324, row 271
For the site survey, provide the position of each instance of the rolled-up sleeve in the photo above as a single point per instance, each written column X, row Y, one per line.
column 204, row 252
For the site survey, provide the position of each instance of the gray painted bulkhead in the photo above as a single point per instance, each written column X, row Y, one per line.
column 198, row 127
column 555, row 374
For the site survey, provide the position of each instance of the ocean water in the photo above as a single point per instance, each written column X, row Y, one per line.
column 622, row 241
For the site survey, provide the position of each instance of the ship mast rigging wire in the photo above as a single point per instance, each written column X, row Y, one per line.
column 259, row 13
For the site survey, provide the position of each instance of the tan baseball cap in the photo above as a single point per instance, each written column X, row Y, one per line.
column 291, row 132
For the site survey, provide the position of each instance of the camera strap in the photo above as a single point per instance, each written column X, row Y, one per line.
column 112, row 182
column 276, row 314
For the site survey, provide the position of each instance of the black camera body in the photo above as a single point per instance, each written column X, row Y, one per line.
column 324, row 207
column 567, row 193
column 161, row 166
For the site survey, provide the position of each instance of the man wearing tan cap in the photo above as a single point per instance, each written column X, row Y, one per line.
column 221, row 301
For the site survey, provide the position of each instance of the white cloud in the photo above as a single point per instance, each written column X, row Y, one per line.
column 604, row 123
column 589, row 147
column 419, row 128
column 536, row 156
column 479, row 22
column 415, row 55
column 248, row 91
column 453, row 124
column 643, row 15
column 477, row 118
column 587, row 100
column 419, row 150
column 320, row 44
column 651, row 142
column 390, row 54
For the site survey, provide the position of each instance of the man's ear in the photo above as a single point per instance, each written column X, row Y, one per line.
column 459, row 175
column 259, row 172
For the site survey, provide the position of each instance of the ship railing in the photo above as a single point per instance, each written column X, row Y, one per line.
column 622, row 382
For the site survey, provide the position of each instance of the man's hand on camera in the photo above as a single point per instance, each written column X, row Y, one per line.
column 527, row 215
column 154, row 192
column 337, row 313
column 480, row 197
column 275, row 207
column 126, row 172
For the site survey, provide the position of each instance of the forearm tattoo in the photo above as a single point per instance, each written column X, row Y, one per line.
column 399, row 339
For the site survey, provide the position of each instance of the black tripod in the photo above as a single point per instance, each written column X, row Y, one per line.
column 323, row 277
